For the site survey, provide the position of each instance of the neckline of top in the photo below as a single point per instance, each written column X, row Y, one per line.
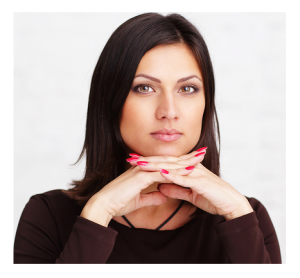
column 151, row 230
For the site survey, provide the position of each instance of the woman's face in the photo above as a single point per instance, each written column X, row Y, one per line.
column 167, row 93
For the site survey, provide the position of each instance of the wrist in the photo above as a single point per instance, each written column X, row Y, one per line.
column 96, row 213
column 243, row 209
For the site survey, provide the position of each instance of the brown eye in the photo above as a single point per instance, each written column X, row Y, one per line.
column 186, row 89
column 189, row 90
column 142, row 89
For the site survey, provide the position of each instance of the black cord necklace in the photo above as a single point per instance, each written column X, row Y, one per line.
column 162, row 223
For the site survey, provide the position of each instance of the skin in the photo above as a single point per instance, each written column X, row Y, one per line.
column 166, row 104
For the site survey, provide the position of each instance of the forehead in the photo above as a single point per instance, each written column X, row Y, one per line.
column 169, row 60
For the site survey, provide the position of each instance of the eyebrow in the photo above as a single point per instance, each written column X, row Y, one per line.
column 158, row 81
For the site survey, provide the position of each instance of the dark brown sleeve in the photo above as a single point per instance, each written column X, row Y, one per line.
column 38, row 238
column 250, row 238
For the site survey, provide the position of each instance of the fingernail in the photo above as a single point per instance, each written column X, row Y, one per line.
column 143, row 163
column 190, row 168
column 131, row 159
column 201, row 149
column 198, row 154
column 164, row 171
column 134, row 154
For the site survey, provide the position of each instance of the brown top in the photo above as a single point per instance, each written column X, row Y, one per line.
column 51, row 231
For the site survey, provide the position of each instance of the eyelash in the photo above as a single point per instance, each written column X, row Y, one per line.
column 135, row 89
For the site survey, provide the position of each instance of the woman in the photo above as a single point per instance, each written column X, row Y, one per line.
column 151, row 98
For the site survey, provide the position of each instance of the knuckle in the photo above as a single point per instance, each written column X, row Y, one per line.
column 200, row 166
column 204, row 183
column 154, row 164
column 201, row 172
column 205, row 180
column 145, row 178
column 166, row 157
column 140, row 176
column 203, row 186
column 177, row 194
column 181, row 180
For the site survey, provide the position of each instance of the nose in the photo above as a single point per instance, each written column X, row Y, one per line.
column 167, row 107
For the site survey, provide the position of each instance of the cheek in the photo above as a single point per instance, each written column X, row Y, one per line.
column 133, row 120
column 193, row 121
column 196, row 116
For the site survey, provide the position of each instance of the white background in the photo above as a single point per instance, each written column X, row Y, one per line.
column 54, row 57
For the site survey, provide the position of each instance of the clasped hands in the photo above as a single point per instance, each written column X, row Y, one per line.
column 198, row 185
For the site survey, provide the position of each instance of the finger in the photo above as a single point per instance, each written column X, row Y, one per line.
column 189, row 155
column 176, row 192
column 182, row 157
column 168, row 158
column 161, row 158
column 164, row 158
column 155, row 198
column 144, row 179
column 134, row 154
column 193, row 160
column 156, row 166
column 189, row 159
column 175, row 176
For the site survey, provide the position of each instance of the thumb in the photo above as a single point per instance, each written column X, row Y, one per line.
column 154, row 198
column 175, row 191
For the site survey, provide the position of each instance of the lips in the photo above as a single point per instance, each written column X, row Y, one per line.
column 166, row 131
column 166, row 135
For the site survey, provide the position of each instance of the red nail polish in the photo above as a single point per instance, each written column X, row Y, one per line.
column 134, row 154
column 143, row 163
column 198, row 154
column 131, row 159
column 201, row 149
column 190, row 168
column 164, row 171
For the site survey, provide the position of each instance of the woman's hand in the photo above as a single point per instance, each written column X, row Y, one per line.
column 199, row 186
column 122, row 195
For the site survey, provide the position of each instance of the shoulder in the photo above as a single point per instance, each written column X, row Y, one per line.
column 52, row 198
column 262, row 215
column 55, row 203
column 45, row 225
column 257, row 206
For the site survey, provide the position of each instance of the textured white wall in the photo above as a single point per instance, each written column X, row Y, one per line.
column 54, row 57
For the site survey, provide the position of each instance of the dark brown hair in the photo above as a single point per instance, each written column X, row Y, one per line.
column 111, row 82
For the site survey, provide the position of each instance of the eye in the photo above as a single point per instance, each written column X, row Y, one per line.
column 189, row 89
column 142, row 89
column 145, row 88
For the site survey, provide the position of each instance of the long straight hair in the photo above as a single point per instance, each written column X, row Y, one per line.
column 111, row 82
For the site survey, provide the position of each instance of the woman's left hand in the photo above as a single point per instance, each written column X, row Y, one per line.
column 198, row 186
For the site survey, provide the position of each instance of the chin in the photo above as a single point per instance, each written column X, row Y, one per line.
column 172, row 151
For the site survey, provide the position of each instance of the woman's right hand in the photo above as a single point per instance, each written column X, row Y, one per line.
column 122, row 195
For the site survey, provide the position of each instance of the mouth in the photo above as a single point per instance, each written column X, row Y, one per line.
column 166, row 137
column 166, row 131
